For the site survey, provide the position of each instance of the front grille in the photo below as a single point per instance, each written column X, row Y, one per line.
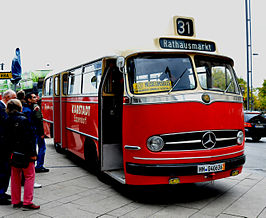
column 193, row 140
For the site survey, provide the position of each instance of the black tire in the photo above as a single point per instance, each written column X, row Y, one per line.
column 58, row 148
column 91, row 157
column 256, row 138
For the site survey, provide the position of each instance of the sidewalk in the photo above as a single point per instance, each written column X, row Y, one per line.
column 71, row 191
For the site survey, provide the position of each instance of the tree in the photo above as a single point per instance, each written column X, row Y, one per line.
column 243, row 85
column 262, row 97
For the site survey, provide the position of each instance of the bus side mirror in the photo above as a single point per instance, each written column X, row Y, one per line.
column 120, row 63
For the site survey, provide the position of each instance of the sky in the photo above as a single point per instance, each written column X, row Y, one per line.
column 66, row 33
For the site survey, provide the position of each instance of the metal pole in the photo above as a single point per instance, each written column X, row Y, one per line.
column 251, row 58
column 249, row 49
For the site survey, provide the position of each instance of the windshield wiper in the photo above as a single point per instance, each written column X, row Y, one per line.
column 177, row 81
column 228, row 86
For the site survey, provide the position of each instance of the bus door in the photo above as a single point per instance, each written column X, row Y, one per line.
column 110, row 118
column 57, row 113
column 63, row 105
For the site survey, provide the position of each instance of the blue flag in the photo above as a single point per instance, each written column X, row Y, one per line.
column 16, row 67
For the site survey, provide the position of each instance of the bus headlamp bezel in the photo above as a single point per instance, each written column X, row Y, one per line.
column 155, row 143
column 240, row 137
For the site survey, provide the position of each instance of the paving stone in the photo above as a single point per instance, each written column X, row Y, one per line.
column 105, row 205
column 121, row 211
column 144, row 211
column 252, row 203
column 68, row 211
column 174, row 211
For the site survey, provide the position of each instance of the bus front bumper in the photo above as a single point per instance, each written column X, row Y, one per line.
column 180, row 169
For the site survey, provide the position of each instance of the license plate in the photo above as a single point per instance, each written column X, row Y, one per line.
column 209, row 168
column 259, row 126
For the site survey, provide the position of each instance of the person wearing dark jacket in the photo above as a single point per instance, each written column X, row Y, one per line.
column 37, row 119
column 4, row 154
column 24, row 143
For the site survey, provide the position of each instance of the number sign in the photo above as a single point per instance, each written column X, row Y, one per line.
column 184, row 26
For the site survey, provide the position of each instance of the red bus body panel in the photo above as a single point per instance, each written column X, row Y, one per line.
column 158, row 119
column 47, row 110
column 81, row 115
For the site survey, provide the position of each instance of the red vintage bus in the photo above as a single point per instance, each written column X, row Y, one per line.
column 170, row 115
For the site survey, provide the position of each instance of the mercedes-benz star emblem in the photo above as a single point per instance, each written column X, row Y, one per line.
column 208, row 140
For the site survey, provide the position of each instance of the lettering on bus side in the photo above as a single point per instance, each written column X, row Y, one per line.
column 82, row 110
column 48, row 107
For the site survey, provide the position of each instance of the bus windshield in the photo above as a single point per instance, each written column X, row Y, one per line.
column 216, row 74
column 160, row 73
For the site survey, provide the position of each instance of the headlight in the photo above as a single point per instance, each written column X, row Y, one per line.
column 240, row 137
column 155, row 143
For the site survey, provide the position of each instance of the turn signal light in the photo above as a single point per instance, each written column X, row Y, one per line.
column 174, row 181
column 234, row 172
column 247, row 124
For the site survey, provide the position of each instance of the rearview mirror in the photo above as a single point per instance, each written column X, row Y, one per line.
column 120, row 63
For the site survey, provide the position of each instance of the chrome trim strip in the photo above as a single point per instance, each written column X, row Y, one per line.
column 197, row 141
column 200, row 149
column 83, row 102
column 82, row 133
column 43, row 100
column 187, row 158
column 187, row 97
column 224, row 139
column 131, row 147
column 48, row 121
column 183, row 142
column 81, row 95
column 213, row 130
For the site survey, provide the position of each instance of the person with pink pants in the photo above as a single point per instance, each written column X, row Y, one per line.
column 21, row 139
column 16, row 174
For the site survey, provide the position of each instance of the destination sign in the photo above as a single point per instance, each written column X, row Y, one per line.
column 184, row 26
column 5, row 75
column 187, row 44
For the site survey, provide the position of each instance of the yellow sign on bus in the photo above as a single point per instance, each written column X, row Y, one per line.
column 5, row 75
column 152, row 86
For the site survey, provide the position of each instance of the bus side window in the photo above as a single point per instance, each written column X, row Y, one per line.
column 51, row 87
column 91, row 78
column 71, row 84
column 75, row 81
column 46, row 87
column 56, row 85
column 65, row 84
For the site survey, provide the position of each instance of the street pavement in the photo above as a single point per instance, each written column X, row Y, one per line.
column 69, row 190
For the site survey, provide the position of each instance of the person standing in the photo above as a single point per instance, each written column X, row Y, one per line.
column 37, row 119
column 28, row 109
column 24, row 143
column 21, row 96
column 4, row 154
